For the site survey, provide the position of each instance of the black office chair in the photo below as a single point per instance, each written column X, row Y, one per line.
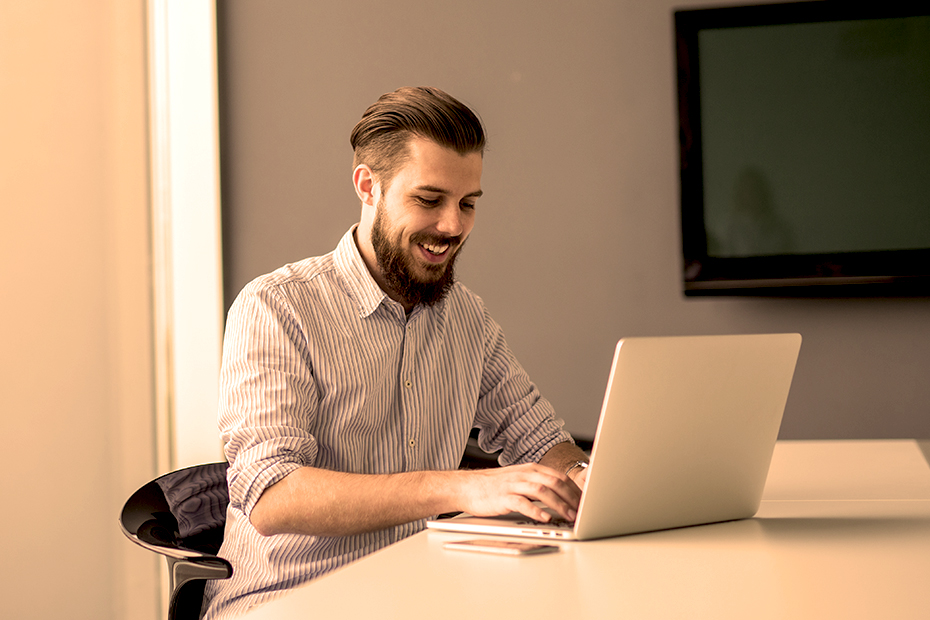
column 182, row 516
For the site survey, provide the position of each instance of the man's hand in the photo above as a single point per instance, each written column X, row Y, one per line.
column 579, row 476
column 498, row 491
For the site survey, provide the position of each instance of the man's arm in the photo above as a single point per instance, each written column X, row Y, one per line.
column 326, row 503
column 562, row 457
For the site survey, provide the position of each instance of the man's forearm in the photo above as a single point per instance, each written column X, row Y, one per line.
column 326, row 503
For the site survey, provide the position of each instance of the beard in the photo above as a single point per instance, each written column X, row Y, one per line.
column 398, row 268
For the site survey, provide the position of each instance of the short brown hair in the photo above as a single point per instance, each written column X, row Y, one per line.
column 380, row 138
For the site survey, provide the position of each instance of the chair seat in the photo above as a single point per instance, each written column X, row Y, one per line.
column 182, row 516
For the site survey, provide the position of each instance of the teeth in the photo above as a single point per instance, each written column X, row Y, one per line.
column 436, row 249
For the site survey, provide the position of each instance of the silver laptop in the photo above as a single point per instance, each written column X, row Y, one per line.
column 685, row 437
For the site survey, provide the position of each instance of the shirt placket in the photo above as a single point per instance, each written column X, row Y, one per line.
column 410, row 395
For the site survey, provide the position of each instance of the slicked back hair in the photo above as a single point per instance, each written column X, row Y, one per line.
column 381, row 137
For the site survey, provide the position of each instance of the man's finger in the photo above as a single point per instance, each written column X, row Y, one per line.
column 550, row 496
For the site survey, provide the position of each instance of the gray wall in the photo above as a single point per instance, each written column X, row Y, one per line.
column 577, row 240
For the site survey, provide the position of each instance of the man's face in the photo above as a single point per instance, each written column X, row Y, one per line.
column 422, row 221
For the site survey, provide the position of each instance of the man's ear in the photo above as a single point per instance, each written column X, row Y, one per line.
column 365, row 185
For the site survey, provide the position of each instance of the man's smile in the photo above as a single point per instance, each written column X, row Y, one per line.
column 435, row 250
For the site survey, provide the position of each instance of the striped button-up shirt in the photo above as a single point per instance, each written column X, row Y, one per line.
column 321, row 368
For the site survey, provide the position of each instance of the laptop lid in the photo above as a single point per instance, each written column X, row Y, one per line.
column 685, row 437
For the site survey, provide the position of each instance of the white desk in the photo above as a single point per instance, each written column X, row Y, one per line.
column 843, row 532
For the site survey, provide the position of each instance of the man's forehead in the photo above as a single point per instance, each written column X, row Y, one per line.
column 430, row 166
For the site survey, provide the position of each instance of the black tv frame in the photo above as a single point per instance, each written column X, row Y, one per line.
column 893, row 273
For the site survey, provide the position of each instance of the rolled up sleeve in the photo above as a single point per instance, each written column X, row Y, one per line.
column 268, row 396
column 511, row 415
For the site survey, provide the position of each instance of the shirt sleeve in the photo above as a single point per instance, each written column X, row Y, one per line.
column 268, row 397
column 512, row 415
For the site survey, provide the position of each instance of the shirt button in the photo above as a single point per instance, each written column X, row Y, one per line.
column 413, row 443
column 408, row 384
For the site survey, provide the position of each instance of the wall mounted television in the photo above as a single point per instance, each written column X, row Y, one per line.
column 805, row 149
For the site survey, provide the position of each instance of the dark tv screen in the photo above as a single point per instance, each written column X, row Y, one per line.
column 805, row 149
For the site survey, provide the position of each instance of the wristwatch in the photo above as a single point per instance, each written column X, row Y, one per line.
column 581, row 464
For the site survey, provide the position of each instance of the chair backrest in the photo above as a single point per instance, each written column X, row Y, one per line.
column 182, row 516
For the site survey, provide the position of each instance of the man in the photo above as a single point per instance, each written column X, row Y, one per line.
column 351, row 381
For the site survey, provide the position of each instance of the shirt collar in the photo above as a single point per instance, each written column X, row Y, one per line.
column 354, row 271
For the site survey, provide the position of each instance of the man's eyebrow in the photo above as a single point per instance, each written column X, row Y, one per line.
column 445, row 192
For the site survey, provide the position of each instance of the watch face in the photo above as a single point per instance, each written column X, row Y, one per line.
column 577, row 464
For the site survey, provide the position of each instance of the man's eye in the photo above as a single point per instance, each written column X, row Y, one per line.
column 434, row 202
column 468, row 206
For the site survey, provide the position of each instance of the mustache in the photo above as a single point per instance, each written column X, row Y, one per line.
column 432, row 239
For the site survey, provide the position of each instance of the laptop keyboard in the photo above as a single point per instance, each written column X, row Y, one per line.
column 555, row 522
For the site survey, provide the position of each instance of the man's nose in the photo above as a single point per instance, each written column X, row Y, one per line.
column 451, row 221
